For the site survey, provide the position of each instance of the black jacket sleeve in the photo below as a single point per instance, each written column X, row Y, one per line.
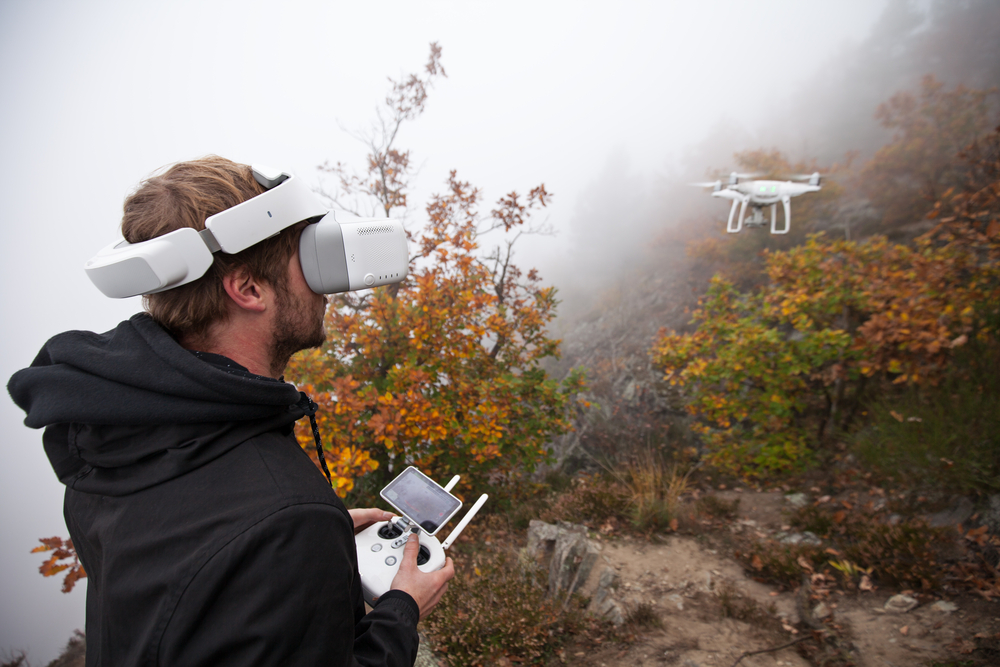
column 286, row 592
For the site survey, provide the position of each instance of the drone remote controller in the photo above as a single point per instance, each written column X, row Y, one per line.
column 425, row 507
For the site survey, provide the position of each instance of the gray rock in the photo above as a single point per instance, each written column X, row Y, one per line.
column 955, row 515
column 821, row 610
column 567, row 552
column 944, row 606
column 425, row 658
column 797, row 499
column 607, row 584
column 629, row 394
column 806, row 538
column 900, row 604
column 611, row 610
column 609, row 579
column 603, row 602
column 541, row 538
column 991, row 514
column 573, row 557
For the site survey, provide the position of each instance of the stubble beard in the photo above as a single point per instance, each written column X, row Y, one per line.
column 297, row 327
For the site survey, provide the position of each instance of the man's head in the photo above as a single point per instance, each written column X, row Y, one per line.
column 185, row 195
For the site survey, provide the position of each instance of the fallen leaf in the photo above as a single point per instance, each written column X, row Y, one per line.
column 895, row 415
column 756, row 562
column 905, row 630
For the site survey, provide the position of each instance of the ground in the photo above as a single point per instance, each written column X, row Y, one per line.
column 689, row 580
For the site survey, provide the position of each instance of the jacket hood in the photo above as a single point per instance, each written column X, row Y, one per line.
column 130, row 407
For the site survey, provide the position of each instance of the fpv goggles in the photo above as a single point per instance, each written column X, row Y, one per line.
column 336, row 255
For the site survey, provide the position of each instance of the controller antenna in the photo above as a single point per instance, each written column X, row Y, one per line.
column 465, row 520
column 451, row 484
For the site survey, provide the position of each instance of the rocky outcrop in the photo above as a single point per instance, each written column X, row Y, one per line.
column 569, row 556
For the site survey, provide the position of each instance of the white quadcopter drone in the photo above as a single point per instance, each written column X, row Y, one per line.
column 759, row 194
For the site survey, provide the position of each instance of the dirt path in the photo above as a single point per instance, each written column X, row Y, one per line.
column 711, row 612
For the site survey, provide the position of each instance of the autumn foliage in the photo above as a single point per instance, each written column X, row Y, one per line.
column 63, row 558
column 909, row 174
column 442, row 370
column 769, row 372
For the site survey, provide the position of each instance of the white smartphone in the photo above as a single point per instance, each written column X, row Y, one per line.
column 421, row 500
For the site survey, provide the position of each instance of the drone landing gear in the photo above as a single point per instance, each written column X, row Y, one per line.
column 757, row 219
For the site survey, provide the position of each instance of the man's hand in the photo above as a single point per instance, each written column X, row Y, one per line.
column 426, row 588
column 366, row 517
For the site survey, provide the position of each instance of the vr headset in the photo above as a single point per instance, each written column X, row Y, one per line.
column 336, row 255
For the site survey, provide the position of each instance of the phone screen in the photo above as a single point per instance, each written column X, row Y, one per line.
column 421, row 500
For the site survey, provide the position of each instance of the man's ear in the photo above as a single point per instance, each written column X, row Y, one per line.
column 245, row 291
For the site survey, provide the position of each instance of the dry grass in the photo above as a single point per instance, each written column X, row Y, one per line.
column 656, row 487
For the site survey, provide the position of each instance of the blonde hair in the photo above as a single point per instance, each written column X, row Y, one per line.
column 185, row 195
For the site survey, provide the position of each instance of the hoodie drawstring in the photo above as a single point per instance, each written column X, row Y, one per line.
column 309, row 407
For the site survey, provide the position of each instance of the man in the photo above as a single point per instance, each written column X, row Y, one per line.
column 209, row 537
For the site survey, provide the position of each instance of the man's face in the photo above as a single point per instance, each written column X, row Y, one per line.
column 299, row 316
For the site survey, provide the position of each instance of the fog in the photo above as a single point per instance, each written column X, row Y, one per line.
column 613, row 108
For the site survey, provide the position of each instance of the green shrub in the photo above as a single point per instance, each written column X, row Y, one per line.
column 898, row 553
column 780, row 564
column 901, row 553
column 734, row 604
column 717, row 508
column 495, row 607
column 644, row 616
column 591, row 499
column 945, row 437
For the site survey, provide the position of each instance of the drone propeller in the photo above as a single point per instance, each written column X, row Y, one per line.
column 709, row 184
column 814, row 178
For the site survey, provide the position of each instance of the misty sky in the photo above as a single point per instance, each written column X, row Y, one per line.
column 96, row 95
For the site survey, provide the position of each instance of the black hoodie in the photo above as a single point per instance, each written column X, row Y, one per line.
column 207, row 534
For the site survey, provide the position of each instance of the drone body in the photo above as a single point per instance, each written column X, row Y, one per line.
column 757, row 195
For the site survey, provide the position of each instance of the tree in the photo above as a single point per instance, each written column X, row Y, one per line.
column 907, row 175
column 442, row 370
column 63, row 559
column 764, row 369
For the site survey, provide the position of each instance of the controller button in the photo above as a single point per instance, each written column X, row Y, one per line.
column 376, row 547
column 390, row 561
